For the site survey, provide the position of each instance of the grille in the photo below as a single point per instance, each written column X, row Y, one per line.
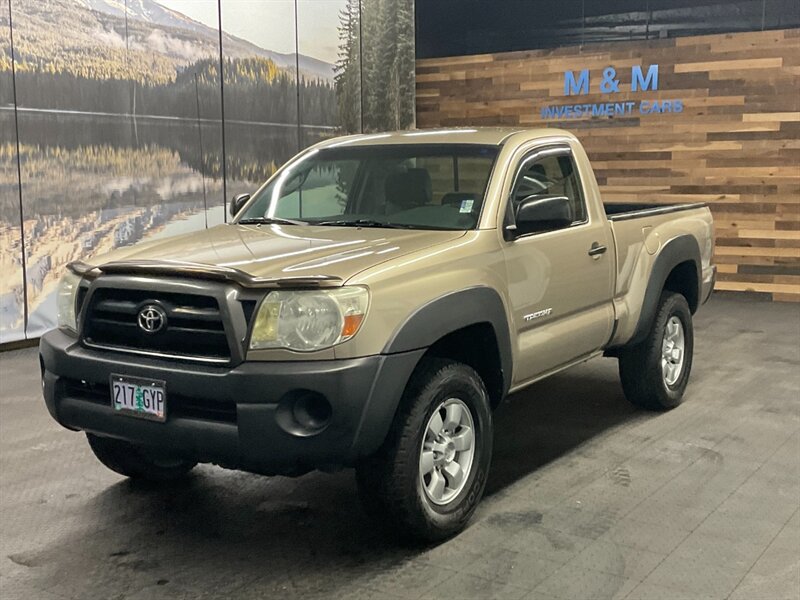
column 194, row 327
column 177, row 404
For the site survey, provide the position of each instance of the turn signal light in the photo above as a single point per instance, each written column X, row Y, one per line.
column 351, row 324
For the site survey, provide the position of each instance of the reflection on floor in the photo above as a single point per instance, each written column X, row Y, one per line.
column 588, row 498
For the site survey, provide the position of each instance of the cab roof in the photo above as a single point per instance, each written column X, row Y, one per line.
column 486, row 136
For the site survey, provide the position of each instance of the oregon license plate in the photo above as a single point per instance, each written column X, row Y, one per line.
column 137, row 397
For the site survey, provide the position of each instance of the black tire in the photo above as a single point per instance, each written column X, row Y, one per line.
column 640, row 366
column 389, row 482
column 136, row 462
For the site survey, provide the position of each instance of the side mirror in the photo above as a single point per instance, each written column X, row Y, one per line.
column 543, row 213
column 239, row 200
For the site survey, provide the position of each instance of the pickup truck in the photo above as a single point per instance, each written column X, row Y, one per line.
column 370, row 306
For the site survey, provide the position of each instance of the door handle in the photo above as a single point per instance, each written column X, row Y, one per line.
column 596, row 250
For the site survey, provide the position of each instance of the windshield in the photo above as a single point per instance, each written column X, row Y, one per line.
column 421, row 186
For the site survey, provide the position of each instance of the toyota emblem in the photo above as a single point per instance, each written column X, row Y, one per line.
column 152, row 318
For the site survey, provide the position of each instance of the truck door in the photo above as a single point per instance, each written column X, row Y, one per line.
column 560, row 265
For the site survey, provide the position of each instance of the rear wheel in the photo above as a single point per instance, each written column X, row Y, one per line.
column 136, row 462
column 429, row 476
column 655, row 372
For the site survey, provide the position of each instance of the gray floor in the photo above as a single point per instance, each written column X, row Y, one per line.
column 588, row 498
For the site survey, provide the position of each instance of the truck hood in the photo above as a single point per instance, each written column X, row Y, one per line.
column 278, row 252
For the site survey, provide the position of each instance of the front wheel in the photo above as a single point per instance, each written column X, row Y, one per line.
column 429, row 476
column 655, row 372
column 136, row 462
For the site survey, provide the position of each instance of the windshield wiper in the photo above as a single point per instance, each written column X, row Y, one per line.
column 366, row 223
column 269, row 221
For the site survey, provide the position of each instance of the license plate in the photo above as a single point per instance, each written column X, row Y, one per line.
column 137, row 397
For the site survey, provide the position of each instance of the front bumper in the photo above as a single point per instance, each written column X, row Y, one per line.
column 228, row 415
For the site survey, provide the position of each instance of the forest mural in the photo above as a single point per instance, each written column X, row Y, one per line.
column 126, row 120
column 383, row 62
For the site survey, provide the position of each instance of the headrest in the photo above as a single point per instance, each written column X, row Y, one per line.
column 538, row 169
column 409, row 188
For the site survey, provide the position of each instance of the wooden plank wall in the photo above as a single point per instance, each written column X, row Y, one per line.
column 736, row 144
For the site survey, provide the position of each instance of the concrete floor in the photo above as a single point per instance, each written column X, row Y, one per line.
column 588, row 498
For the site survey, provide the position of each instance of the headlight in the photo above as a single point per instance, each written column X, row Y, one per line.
column 309, row 320
column 65, row 301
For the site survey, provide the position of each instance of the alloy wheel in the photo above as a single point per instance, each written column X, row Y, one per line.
column 673, row 348
column 448, row 451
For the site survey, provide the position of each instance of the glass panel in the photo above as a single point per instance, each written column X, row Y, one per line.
column 330, row 78
column 177, row 126
column 458, row 180
column 458, row 28
column 376, row 186
column 388, row 64
column 472, row 175
column 551, row 176
column 260, row 90
column 12, row 308
column 615, row 21
column 111, row 120
column 323, row 193
column 781, row 14
column 441, row 172
column 674, row 18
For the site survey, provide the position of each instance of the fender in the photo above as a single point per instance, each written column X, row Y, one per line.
column 450, row 313
column 676, row 251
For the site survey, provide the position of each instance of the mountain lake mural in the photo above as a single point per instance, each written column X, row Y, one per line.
column 113, row 115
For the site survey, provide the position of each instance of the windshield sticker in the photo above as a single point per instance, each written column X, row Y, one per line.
column 466, row 206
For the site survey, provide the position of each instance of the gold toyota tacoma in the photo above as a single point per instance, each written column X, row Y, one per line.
column 370, row 306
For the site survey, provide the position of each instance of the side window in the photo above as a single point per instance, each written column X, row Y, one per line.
column 547, row 178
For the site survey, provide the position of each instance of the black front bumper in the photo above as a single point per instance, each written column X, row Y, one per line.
column 227, row 415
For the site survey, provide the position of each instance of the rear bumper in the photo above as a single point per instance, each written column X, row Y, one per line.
column 230, row 416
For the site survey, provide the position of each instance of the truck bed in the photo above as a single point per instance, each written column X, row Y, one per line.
column 622, row 211
column 640, row 230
